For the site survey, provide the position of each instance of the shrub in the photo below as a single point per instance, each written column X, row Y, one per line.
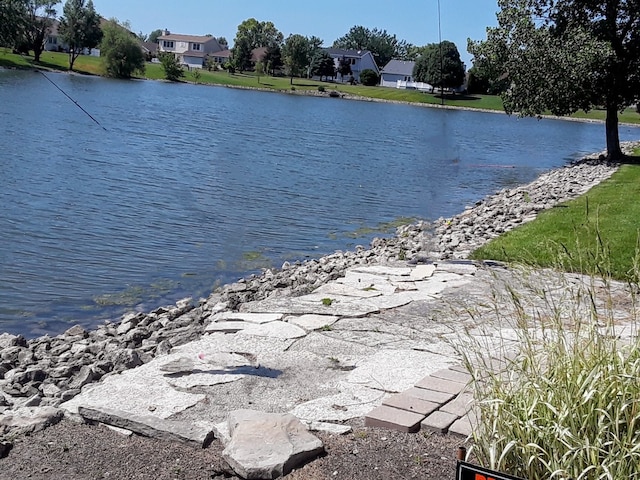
column 369, row 78
column 172, row 69
column 321, row 88
column 564, row 403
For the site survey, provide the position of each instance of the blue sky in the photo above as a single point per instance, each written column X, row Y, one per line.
column 415, row 21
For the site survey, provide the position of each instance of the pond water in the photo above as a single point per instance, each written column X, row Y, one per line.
column 187, row 187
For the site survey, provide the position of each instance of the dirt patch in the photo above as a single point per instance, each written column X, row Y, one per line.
column 72, row 451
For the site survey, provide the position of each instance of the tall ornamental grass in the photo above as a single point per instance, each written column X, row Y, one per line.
column 558, row 391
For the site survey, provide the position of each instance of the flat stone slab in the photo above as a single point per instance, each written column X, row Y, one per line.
column 393, row 419
column 223, row 326
column 343, row 290
column 247, row 317
column 407, row 402
column 29, row 419
column 352, row 401
column 396, row 370
column 312, row 322
column 268, row 445
column 141, row 391
column 383, row 270
column 440, row 385
column 151, row 426
column 277, row 329
column 300, row 306
column 459, row 268
column 439, row 421
column 420, row 272
column 332, row 428
column 366, row 280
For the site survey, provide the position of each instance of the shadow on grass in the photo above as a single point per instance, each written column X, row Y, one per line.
column 451, row 96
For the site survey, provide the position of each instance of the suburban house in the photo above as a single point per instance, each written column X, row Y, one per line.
column 399, row 74
column 54, row 42
column 358, row 59
column 221, row 57
column 190, row 50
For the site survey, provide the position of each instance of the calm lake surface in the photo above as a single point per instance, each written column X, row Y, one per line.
column 187, row 187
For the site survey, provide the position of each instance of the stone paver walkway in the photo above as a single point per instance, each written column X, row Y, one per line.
column 376, row 344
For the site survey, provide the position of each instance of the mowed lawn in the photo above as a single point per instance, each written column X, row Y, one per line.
column 596, row 233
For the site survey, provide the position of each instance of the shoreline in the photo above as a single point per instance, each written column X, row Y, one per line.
column 47, row 371
column 326, row 94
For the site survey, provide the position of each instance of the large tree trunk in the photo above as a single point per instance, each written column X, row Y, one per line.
column 613, row 138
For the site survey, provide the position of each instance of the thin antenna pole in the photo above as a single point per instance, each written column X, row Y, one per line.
column 77, row 104
column 441, row 59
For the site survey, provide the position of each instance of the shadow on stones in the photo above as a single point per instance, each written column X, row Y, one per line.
column 243, row 370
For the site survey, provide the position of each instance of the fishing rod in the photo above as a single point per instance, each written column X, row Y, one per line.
column 77, row 104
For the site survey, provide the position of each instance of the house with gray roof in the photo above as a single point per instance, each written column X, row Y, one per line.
column 359, row 60
column 399, row 74
column 190, row 50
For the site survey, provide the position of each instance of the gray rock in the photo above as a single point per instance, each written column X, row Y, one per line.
column 268, row 445
column 151, row 426
column 30, row 419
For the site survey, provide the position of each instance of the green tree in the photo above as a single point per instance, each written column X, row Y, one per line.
column 322, row 65
column 39, row 20
column 440, row 66
column 273, row 58
column 258, row 34
column 172, row 69
column 222, row 41
column 485, row 80
column 381, row 44
column 153, row 36
column 565, row 56
column 241, row 54
column 79, row 27
column 13, row 15
column 344, row 68
column 120, row 51
column 296, row 55
column 260, row 69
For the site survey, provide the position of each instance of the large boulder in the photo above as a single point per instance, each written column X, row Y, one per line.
column 268, row 445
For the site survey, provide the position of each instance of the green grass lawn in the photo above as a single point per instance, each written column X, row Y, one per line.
column 93, row 66
column 596, row 233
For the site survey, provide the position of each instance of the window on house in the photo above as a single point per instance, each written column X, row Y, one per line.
column 167, row 44
column 53, row 40
column 353, row 61
column 195, row 46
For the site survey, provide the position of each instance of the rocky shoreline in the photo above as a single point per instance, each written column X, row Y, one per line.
column 47, row 371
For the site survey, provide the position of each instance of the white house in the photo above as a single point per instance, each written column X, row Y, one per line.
column 358, row 59
column 399, row 74
column 190, row 50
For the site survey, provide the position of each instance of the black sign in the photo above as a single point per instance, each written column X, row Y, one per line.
column 466, row 471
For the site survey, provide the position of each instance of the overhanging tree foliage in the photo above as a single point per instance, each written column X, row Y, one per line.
column 567, row 55
column 12, row 21
column 80, row 28
column 439, row 65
